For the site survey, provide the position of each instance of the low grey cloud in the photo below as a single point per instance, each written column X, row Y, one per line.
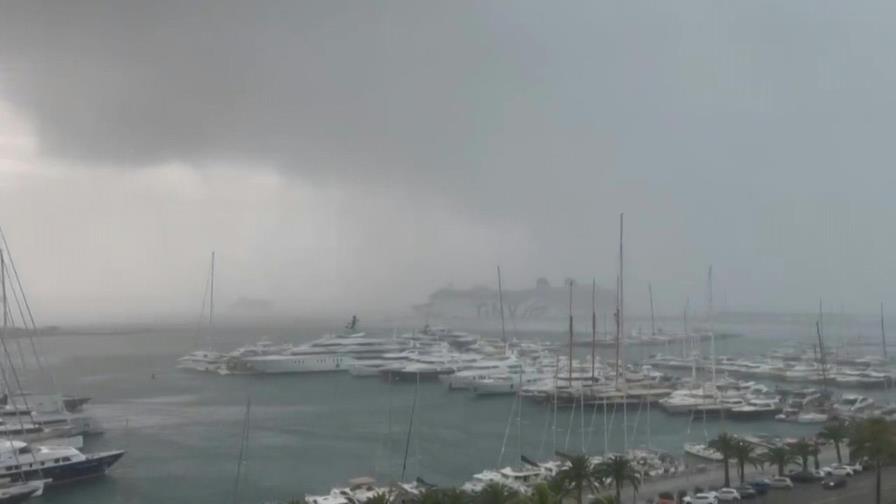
column 752, row 135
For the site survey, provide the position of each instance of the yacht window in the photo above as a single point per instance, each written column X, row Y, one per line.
column 25, row 449
column 56, row 461
column 66, row 459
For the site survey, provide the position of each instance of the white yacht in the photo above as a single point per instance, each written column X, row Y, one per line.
column 463, row 379
column 19, row 460
column 307, row 363
column 850, row 404
column 501, row 384
column 756, row 408
column 702, row 451
column 329, row 353
column 202, row 360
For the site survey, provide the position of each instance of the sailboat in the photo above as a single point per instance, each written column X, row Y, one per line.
column 28, row 416
column 715, row 405
column 23, row 462
column 205, row 359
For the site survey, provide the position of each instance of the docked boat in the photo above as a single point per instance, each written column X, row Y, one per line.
column 205, row 359
column 23, row 461
column 805, row 417
column 367, row 367
column 498, row 385
column 22, row 492
column 202, row 360
column 851, row 404
column 755, row 408
column 702, row 451
column 309, row 363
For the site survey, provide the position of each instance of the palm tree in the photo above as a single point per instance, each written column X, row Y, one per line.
column 724, row 444
column 454, row 496
column 744, row 454
column 577, row 476
column 444, row 496
column 542, row 494
column 816, row 450
column 803, row 450
column 780, row 456
column 836, row 432
column 874, row 439
column 378, row 498
column 496, row 493
column 620, row 470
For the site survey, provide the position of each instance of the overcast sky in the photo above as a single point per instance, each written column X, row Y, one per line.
column 352, row 156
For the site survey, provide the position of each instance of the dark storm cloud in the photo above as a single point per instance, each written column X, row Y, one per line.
column 718, row 126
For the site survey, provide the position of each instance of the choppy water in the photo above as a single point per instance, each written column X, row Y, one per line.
column 309, row 432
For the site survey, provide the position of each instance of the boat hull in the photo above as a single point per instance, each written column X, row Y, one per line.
column 297, row 364
column 15, row 495
column 96, row 464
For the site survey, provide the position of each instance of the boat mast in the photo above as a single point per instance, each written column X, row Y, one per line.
column 14, row 275
column 407, row 442
column 570, row 335
column 621, row 296
column 684, row 337
column 3, row 292
column 883, row 334
column 652, row 321
column 619, row 306
column 593, row 325
column 244, row 442
column 621, row 336
column 501, row 302
column 712, row 334
column 211, row 303
column 818, row 331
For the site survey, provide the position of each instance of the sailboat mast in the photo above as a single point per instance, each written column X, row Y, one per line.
column 883, row 334
column 501, row 302
column 570, row 332
column 244, row 441
column 712, row 334
column 621, row 295
column 211, row 303
column 407, row 442
column 593, row 325
column 818, row 331
column 652, row 320
column 3, row 292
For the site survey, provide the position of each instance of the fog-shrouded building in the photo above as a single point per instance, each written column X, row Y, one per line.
column 543, row 301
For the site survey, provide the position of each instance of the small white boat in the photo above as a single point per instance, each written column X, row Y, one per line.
column 811, row 418
column 702, row 451
column 202, row 360
column 850, row 404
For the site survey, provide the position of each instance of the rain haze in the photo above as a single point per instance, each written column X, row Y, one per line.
column 349, row 157
column 372, row 251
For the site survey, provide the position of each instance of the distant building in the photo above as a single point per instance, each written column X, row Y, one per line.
column 541, row 302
